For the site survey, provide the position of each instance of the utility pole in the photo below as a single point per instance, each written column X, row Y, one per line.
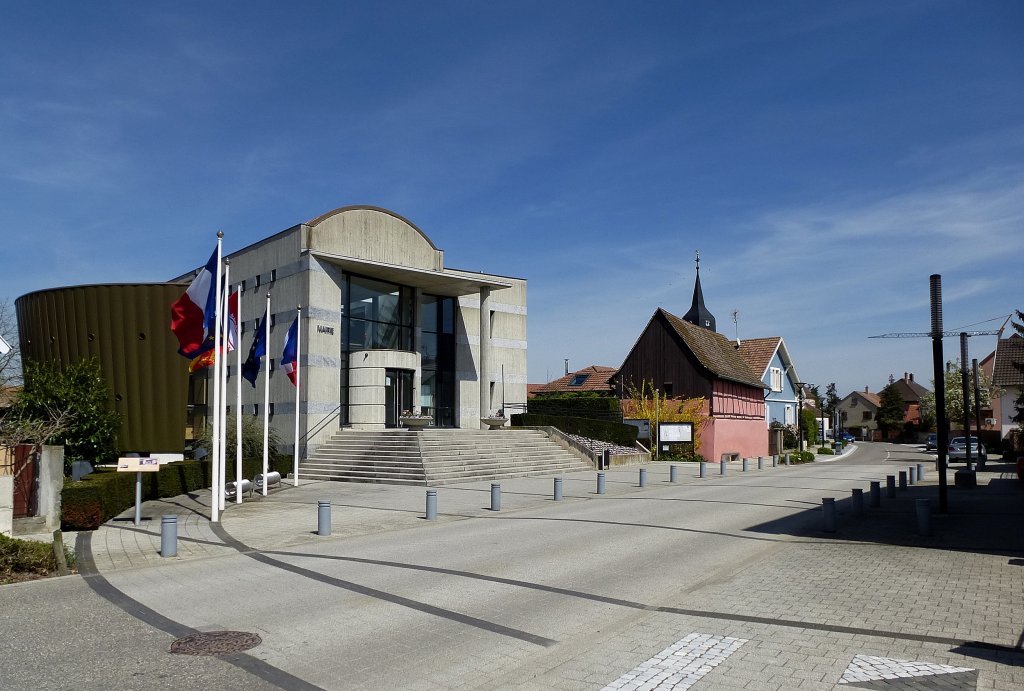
column 938, row 366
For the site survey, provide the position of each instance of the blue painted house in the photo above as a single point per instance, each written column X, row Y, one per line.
column 769, row 358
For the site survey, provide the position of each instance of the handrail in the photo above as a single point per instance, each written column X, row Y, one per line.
column 333, row 415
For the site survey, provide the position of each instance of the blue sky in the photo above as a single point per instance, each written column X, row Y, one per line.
column 825, row 157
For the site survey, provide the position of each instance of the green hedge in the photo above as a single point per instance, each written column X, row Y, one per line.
column 103, row 494
column 614, row 432
column 591, row 408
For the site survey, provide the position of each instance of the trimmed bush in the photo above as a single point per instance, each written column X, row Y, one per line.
column 825, row 451
column 590, row 407
column 614, row 432
column 26, row 559
column 103, row 494
column 801, row 457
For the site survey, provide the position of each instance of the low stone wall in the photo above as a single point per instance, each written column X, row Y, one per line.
column 6, row 504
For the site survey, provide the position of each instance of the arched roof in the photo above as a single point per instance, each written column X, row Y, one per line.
column 363, row 207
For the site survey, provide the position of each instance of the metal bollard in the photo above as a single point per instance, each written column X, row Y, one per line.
column 903, row 480
column 876, row 494
column 673, row 473
column 643, row 477
column 787, row 459
column 169, row 536
column 857, row 500
column 723, row 467
column 775, row 460
column 924, row 516
column 890, row 486
column 703, row 468
column 760, row 462
column 828, row 508
column 431, row 504
column 746, row 464
column 912, row 475
column 323, row 517
column 495, row 496
column 558, row 489
column 920, row 472
column 600, row 483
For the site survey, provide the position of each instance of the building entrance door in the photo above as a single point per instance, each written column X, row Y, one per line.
column 397, row 395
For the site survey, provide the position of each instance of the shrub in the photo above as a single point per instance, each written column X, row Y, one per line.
column 589, row 407
column 801, row 457
column 614, row 432
column 22, row 559
column 825, row 451
column 99, row 496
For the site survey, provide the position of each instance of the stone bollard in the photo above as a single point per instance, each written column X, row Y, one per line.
column 600, row 483
column 760, row 462
column 775, row 460
column 323, row 518
column 558, row 489
column 746, row 464
column 723, row 467
column 703, row 468
column 673, row 473
column 924, row 516
column 169, row 536
column 828, row 508
column 787, row 459
column 920, row 472
column 643, row 477
column 857, row 501
column 890, row 486
column 912, row 475
column 431, row 504
column 876, row 494
column 903, row 480
column 495, row 496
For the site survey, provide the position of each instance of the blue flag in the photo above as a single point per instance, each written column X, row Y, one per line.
column 251, row 366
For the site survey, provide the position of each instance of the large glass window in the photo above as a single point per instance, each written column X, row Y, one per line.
column 437, row 358
column 377, row 315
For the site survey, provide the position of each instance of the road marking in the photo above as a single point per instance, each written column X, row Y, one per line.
column 679, row 666
column 867, row 668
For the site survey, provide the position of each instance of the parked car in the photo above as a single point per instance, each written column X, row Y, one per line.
column 957, row 450
column 845, row 437
column 932, row 443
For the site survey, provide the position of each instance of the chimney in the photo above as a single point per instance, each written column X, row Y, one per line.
column 911, row 376
column 867, row 390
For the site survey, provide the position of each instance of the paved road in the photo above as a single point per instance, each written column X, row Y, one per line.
column 726, row 582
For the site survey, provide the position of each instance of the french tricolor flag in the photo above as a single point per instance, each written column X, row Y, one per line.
column 290, row 357
column 194, row 314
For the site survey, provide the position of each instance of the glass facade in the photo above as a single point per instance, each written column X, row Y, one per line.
column 437, row 356
column 377, row 315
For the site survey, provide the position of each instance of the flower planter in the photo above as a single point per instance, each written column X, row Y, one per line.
column 416, row 422
column 494, row 422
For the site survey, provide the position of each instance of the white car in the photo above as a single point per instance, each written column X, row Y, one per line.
column 957, row 450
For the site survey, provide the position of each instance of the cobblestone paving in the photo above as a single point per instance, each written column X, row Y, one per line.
column 868, row 668
column 679, row 666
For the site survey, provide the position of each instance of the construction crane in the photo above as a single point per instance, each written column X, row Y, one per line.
column 947, row 334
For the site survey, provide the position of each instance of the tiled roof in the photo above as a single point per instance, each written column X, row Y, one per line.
column 597, row 377
column 758, row 352
column 1009, row 351
column 872, row 398
column 910, row 390
column 715, row 352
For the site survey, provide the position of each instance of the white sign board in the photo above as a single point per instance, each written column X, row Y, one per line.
column 675, row 431
column 138, row 465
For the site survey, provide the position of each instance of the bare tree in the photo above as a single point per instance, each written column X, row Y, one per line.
column 10, row 361
column 15, row 430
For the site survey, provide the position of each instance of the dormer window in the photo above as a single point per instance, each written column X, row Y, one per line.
column 579, row 379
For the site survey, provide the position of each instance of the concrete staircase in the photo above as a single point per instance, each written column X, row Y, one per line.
column 438, row 456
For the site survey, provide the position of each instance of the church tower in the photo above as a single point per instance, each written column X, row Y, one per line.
column 698, row 313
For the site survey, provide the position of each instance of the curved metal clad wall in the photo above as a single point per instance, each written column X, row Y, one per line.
column 127, row 328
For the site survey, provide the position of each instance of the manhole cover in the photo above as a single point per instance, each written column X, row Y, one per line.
column 215, row 643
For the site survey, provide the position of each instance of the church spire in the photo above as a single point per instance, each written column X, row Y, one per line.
column 698, row 313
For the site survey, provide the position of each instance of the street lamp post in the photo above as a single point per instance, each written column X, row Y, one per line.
column 800, row 417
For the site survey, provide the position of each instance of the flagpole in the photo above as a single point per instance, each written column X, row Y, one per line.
column 298, row 379
column 223, row 356
column 215, row 439
column 238, row 401
column 266, row 396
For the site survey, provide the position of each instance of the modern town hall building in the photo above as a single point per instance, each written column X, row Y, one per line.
column 386, row 327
